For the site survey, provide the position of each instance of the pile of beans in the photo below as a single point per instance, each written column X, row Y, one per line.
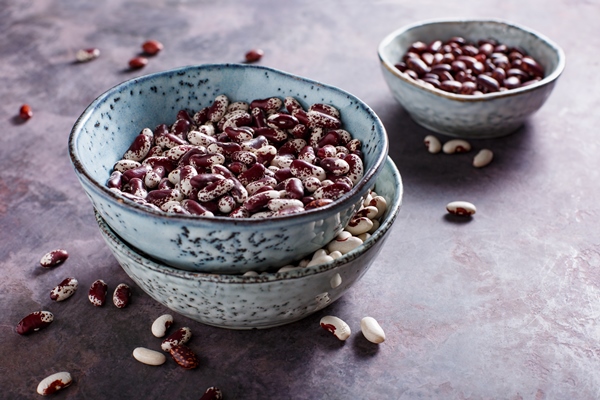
column 261, row 159
column 461, row 67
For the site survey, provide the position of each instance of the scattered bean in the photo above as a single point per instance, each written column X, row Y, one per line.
column 184, row 356
column 34, row 322
column 483, row 158
column 254, row 55
column 212, row 393
column 54, row 383
column 138, row 62
column 149, row 357
column 122, row 295
column 85, row 55
column 462, row 208
column 180, row 336
column 161, row 325
column 25, row 112
column 336, row 326
column 152, row 47
column 97, row 293
column 54, row 258
column 433, row 144
column 64, row 290
column 456, row 146
column 372, row 330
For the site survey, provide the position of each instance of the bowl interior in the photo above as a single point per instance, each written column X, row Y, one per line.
column 107, row 127
column 545, row 51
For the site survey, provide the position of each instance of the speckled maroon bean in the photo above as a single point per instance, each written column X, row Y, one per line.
column 54, row 258
column 34, row 322
column 97, row 293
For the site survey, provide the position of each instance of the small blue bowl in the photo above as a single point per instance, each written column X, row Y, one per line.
column 266, row 300
column 483, row 116
column 108, row 126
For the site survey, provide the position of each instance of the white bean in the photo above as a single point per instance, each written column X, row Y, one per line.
column 54, row 382
column 149, row 357
column 344, row 243
column 461, row 208
column 456, row 146
column 161, row 324
column 336, row 326
column 433, row 144
column 483, row 158
column 372, row 330
column 335, row 281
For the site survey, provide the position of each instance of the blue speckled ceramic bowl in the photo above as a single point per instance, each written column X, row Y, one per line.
column 267, row 300
column 222, row 245
column 484, row 116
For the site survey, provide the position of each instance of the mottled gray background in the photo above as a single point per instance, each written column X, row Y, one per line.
column 503, row 306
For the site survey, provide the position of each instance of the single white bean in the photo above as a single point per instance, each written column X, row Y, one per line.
column 336, row 326
column 250, row 273
column 287, row 268
column 344, row 244
column 161, row 324
column 461, row 208
column 358, row 226
column 54, row 382
column 335, row 281
column 483, row 158
column 320, row 260
column 372, row 330
column 433, row 144
column 456, row 146
column 149, row 357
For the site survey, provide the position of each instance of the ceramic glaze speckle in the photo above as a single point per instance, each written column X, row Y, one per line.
column 477, row 117
column 107, row 127
column 267, row 300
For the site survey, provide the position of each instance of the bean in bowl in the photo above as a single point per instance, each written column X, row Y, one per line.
column 469, row 68
column 264, row 158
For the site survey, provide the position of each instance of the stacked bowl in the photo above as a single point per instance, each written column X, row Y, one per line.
column 199, row 265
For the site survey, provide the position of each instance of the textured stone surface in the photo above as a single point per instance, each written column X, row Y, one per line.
column 504, row 305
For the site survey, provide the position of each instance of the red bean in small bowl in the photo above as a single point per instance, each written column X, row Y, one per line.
column 512, row 71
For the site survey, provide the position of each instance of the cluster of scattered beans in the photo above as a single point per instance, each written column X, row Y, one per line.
column 458, row 66
column 369, row 327
column 37, row 320
column 266, row 158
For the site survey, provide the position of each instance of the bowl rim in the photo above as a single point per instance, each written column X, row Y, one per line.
column 465, row 97
column 389, row 219
column 341, row 203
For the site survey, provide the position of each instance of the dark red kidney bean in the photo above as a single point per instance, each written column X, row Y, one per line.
column 501, row 48
column 522, row 75
column 294, row 188
column 531, row 66
column 202, row 180
column 457, row 66
column 418, row 47
column 400, row 66
column 138, row 62
column 273, row 135
column 512, row 82
column 212, row 393
column 468, row 87
column 459, row 40
column 448, row 58
column 478, row 68
column 181, row 127
column 435, row 46
column 417, row 65
column 183, row 114
column 163, row 162
column 434, row 82
column 486, row 48
column 487, row 83
column 239, row 134
column 457, row 51
column 468, row 60
column 451, row 86
column 115, row 181
column 428, row 58
column 441, row 67
column 470, row 50
column 445, row 76
column 499, row 74
column 412, row 74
